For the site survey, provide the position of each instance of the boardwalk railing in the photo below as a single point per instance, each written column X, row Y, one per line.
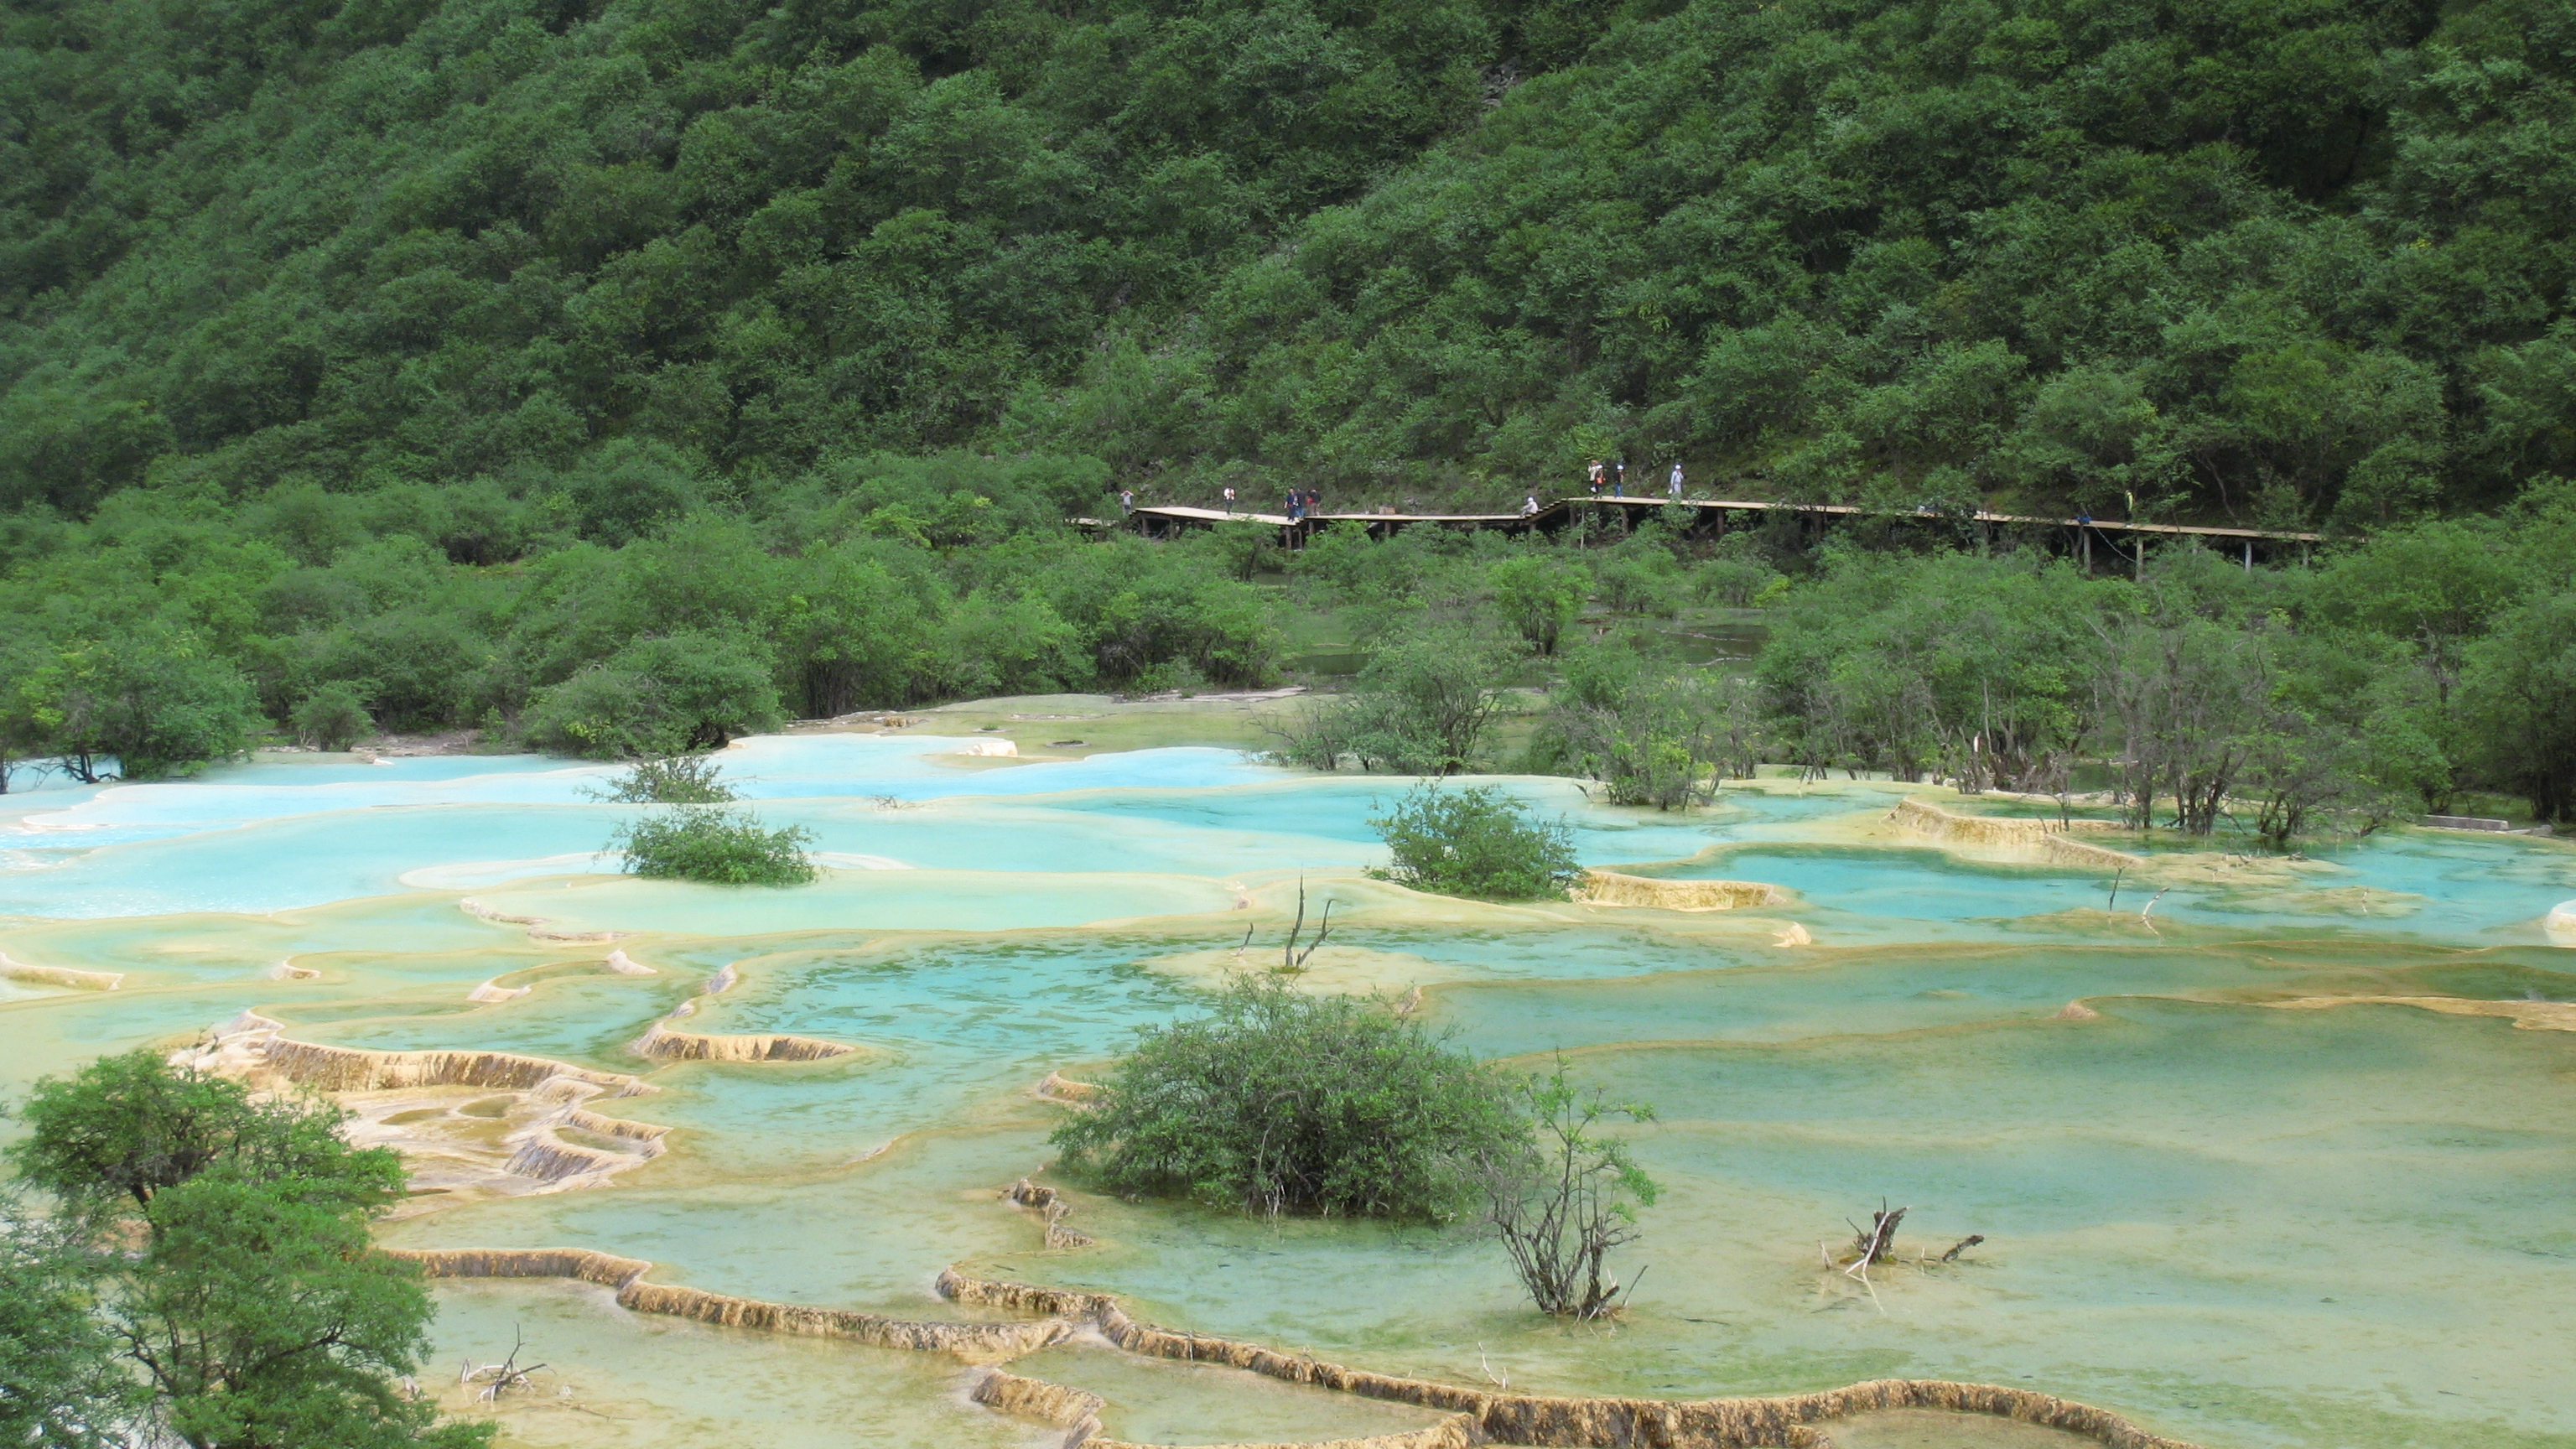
column 1165, row 520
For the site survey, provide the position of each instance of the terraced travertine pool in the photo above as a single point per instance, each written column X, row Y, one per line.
column 2287, row 1160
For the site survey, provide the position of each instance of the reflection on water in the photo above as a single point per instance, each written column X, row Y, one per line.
column 2237, row 1224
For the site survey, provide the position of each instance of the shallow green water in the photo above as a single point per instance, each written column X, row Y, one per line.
column 2239, row 1224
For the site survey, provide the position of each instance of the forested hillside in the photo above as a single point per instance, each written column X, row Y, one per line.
column 2270, row 258
column 619, row 375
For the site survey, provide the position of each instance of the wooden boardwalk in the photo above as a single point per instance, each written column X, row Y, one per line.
column 1165, row 520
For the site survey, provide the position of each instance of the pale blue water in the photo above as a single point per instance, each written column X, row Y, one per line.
column 2311, row 1229
column 1921, row 885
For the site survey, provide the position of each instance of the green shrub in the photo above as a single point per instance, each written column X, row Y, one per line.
column 714, row 845
column 1476, row 842
column 1653, row 732
column 1280, row 1102
column 592, row 715
column 658, row 696
column 1734, row 582
column 332, row 717
column 1539, row 596
column 1423, row 706
column 1568, row 1196
column 669, row 780
column 1640, row 582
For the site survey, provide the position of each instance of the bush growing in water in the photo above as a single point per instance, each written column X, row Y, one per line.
column 1476, row 842
column 669, row 780
column 1564, row 1195
column 714, row 845
column 1282, row 1102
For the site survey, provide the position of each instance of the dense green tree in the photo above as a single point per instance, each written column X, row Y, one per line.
column 1650, row 732
column 658, row 695
column 1539, row 596
column 332, row 717
column 109, row 1139
column 222, row 1250
column 1424, row 704
column 2521, row 703
column 156, row 703
column 263, row 1319
column 61, row 1386
column 1979, row 669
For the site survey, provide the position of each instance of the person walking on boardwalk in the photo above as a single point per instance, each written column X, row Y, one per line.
column 1229, row 499
column 1619, row 478
column 1296, row 501
column 1594, row 480
column 1126, row 500
column 1529, row 506
column 1673, row 485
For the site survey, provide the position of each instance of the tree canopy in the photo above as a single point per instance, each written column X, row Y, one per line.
column 634, row 258
column 209, row 1279
column 110, row 1139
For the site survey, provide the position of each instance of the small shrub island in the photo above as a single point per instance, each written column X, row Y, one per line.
column 1284, row 1102
column 700, row 838
column 1477, row 842
column 1281, row 1102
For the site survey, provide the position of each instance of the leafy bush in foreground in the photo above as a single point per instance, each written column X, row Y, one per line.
column 1476, row 842
column 210, row 1280
column 716, row 846
column 109, row 1140
column 1281, row 1102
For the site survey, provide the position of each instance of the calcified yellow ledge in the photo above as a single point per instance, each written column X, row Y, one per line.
column 1789, row 1421
column 63, row 976
column 2049, row 838
column 664, row 1044
column 1609, row 888
column 2526, row 1015
column 468, row 1122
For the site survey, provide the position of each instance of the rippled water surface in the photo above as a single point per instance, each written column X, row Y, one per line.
column 2236, row 1221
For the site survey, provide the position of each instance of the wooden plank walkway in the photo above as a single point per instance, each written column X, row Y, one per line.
column 1163, row 519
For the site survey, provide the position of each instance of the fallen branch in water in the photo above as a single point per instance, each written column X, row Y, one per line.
column 506, row 1375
